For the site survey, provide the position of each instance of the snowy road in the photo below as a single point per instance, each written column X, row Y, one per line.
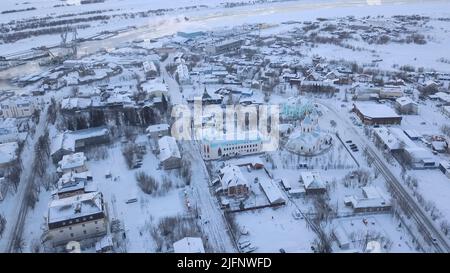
column 18, row 214
column 202, row 198
column 18, row 209
column 429, row 231
column 215, row 227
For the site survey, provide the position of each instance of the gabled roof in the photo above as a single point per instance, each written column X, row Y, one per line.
column 189, row 245
column 168, row 148
column 231, row 176
column 403, row 101
column 312, row 180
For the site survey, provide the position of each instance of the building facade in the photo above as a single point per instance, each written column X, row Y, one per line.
column 77, row 218
column 17, row 107
column 374, row 114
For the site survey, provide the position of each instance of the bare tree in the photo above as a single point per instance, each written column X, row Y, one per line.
column 2, row 225
column 147, row 183
column 186, row 169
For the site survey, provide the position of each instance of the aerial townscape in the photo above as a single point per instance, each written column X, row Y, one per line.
column 217, row 126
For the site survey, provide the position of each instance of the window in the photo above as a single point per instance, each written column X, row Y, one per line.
column 84, row 225
column 71, row 235
column 70, row 228
column 61, row 231
column 84, row 232
column 96, row 222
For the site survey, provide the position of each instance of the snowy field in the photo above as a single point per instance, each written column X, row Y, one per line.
column 139, row 217
column 334, row 165
column 382, row 226
column 279, row 225
column 215, row 16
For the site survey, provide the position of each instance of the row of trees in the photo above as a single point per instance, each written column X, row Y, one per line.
column 119, row 117
column 150, row 185
column 173, row 228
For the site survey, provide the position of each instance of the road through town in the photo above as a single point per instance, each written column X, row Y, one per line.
column 429, row 230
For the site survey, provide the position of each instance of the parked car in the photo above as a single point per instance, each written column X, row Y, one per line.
column 250, row 249
column 244, row 245
column 297, row 214
column 131, row 200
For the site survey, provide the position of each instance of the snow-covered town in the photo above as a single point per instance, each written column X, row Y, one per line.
column 264, row 126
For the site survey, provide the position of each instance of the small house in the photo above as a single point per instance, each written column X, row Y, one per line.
column 169, row 154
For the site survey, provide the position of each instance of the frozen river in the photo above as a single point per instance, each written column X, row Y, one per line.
column 222, row 17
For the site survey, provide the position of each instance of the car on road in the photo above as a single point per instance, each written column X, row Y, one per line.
column 131, row 200
column 297, row 214
column 303, row 165
column 434, row 241
column 245, row 244
column 249, row 249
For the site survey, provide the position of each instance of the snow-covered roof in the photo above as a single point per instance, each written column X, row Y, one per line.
column 443, row 96
column 439, row 145
column 272, row 191
column 312, row 180
column 285, row 127
column 75, row 206
column 403, row 101
column 370, row 203
column 75, row 103
column 117, row 98
column 341, row 235
column 183, row 71
column 17, row 100
column 420, row 154
column 154, row 86
column 75, row 176
column 149, row 66
column 393, row 137
column 247, row 160
column 373, row 197
column 446, row 109
column 156, row 128
column 8, row 152
column 105, row 242
column 372, row 192
column 228, row 42
column 445, row 165
column 231, row 176
column 72, row 161
column 67, row 140
column 70, row 185
column 375, row 110
column 189, row 245
column 168, row 148
column 413, row 134
column 215, row 138
column 391, row 89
